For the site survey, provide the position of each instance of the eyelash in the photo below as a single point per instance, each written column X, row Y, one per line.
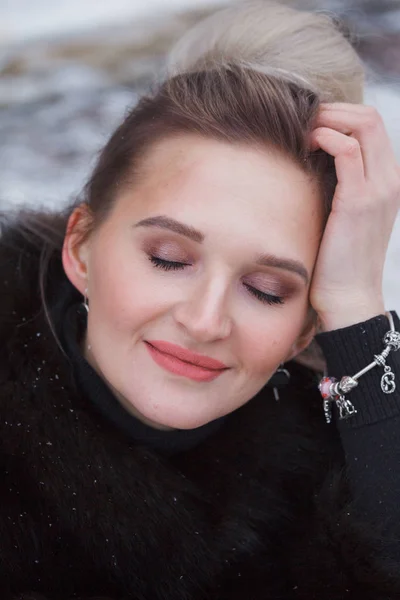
column 168, row 265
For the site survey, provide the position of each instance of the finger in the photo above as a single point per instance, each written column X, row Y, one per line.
column 347, row 154
column 349, row 106
column 366, row 125
column 313, row 142
column 352, row 117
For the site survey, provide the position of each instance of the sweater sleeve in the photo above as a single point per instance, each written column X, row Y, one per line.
column 351, row 548
column 370, row 438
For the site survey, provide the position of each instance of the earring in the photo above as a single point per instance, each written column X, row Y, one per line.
column 85, row 301
column 279, row 379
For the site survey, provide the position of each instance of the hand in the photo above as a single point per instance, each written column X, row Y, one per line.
column 346, row 287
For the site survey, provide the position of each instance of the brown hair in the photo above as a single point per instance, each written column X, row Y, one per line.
column 229, row 103
column 251, row 73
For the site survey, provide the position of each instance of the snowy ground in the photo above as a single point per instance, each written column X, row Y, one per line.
column 55, row 113
column 23, row 20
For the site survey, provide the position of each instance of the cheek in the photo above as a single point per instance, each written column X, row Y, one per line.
column 126, row 293
column 266, row 342
column 261, row 349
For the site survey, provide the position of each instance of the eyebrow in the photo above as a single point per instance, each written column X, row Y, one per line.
column 267, row 260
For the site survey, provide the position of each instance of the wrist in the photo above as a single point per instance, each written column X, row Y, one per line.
column 348, row 351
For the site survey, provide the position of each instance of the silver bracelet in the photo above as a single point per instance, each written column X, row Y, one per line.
column 333, row 390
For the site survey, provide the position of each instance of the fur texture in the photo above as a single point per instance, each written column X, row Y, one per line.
column 259, row 511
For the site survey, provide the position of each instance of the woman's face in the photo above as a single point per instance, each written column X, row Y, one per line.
column 212, row 251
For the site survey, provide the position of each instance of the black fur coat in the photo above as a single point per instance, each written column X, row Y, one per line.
column 259, row 510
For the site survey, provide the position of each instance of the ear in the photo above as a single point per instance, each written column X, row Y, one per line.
column 75, row 252
column 306, row 336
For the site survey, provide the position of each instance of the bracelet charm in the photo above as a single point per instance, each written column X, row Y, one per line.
column 333, row 390
column 392, row 338
column 346, row 408
column 387, row 381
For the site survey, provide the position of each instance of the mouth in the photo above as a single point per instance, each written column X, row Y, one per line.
column 184, row 368
column 199, row 360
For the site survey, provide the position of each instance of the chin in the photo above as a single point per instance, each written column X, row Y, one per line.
column 171, row 413
column 167, row 419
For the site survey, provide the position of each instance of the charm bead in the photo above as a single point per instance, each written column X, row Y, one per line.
column 392, row 339
column 347, row 383
column 325, row 386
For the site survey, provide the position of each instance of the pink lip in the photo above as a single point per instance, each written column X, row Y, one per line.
column 187, row 355
column 176, row 365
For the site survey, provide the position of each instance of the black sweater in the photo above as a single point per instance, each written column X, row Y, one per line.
column 268, row 503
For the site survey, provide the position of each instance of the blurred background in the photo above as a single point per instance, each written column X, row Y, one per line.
column 70, row 69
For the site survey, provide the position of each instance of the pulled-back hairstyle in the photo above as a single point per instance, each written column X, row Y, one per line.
column 253, row 73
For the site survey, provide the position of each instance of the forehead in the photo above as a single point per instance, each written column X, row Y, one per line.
column 228, row 190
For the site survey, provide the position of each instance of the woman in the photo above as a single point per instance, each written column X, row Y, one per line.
column 239, row 211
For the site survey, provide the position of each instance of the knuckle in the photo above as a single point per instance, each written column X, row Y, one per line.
column 370, row 110
column 318, row 132
column 372, row 118
column 352, row 147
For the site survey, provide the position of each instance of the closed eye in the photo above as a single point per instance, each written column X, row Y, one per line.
column 267, row 298
column 169, row 265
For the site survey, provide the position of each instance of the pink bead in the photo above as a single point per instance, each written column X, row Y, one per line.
column 324, row 386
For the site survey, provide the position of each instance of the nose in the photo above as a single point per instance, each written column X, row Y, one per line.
column 205, row 312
